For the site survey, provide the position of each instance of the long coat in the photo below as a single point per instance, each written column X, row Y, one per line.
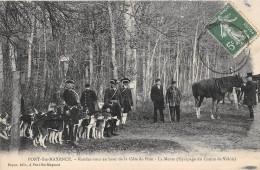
column 88, row 99
column 127, row 99
column 250, row 93
column 157, row 94
column 70, row 97
column 112, row 94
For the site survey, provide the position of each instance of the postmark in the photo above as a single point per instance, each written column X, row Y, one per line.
column 232, row 30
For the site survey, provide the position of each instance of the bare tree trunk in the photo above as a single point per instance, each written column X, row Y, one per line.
column 131, row 65
column 177, row 63
column 190, row 70
column 45, row 62
column 129, row 31
column 144, row 72
column 12, row 57
column 90, row 64
column 113, row 42
column 207, row 69
column 1, row 75
column 16, row 111
column 134, row 80
column 194, row 52
column 215, row 59
column 200, row 63
column 86, row 74
column 153, row 54
column 164, row 71
column 148, row 76
column 159, row 58
column 150, row 64
column 30, row 41
column 59, row 62
column 66, row 63
column 101, row 88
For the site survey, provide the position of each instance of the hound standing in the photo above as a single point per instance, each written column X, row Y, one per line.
column 127, row 100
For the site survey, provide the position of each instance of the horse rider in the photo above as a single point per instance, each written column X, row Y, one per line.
column 113, row 98
column 71, row 109
column 173, row 99
column 88, row 100
column 250, row 95
column 127, row 100
column 158, row 99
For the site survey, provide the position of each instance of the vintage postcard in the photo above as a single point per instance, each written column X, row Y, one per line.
column 129, row 85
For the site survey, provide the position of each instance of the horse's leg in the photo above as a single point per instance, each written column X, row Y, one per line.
column 217, row 107
column 199, row 104
column 196, row 106
column 213, row 108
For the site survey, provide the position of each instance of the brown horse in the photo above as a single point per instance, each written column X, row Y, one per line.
column 214, row 88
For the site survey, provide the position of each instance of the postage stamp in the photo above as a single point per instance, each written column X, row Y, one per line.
column 232, row 30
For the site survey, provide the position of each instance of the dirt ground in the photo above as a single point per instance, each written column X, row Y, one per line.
column 230, row 134
column 233, row 131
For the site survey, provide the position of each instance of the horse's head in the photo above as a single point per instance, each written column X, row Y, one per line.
column 238, row 81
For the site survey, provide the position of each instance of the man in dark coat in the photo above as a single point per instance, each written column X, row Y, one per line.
column 158, row 100
column 71, row 109
column 127, row 100
column 250, row 95
column 113, row 97
column 173, row 98
column 88, row 100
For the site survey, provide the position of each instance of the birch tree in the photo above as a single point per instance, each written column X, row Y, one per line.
column 30, row 41
column 1, row 74
column 113, row 41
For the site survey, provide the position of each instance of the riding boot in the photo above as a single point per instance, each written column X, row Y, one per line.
column 113, row 126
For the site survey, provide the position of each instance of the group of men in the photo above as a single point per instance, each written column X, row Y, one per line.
column 173, row 99
column 118, row 101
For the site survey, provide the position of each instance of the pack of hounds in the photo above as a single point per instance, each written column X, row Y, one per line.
column 49, row 126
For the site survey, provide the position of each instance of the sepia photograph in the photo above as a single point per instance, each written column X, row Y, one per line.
column 129, row 84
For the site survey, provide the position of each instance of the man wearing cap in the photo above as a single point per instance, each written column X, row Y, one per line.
column 250, row 95
column 127, row 100
column 71, row 109
column 158, row 100
column 88, row 99
column 173, row 99
column 113, row 97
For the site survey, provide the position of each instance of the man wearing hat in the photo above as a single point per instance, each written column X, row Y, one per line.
column 127, row 100
column 71, row 109
column 158, row 100
column 88, row 99
column 250, row 95
column 113, row 98
column 173, row 99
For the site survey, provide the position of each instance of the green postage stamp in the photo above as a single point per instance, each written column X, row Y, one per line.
column 232, row 31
